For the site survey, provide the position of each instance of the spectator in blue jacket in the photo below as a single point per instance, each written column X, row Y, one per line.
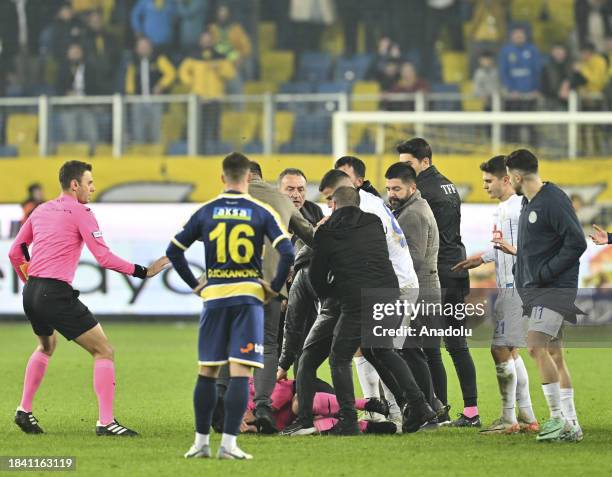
column 520, row 64
column 520, row 67
column 155, row 20
column 192, row 18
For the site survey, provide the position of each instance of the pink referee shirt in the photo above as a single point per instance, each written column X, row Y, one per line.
column 57, row 229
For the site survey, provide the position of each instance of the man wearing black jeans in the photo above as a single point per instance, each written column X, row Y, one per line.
column 350, row 242
column 443, row 198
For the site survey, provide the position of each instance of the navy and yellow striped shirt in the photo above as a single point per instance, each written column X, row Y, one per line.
column 232, row 227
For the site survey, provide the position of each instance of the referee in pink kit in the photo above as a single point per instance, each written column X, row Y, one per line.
column 57, row 231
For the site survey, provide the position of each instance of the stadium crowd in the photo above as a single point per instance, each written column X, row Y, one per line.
column 533, row 55
column 37, row 36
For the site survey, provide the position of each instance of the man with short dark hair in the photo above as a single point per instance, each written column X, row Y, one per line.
column 294, row 221
column 355, row 168
column 369, row 380
column 349, row 238
column 232, row 227
column 57, row 231
column 419, row 226
column 509, row 325
column 445, row 202
column 550, row 244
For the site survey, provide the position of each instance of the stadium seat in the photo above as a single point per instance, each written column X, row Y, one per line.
column 445, row 104
column 454, row 67
column 352, row 69
column 283, row 127
column 8, row 151
column 366, row 146
column 267, row 36
column 314, row 66
column 147, row 150
column 238, row 128
column 333, row 87
column 359, row 133
column 218, row 148
column 276, row 66
column 177, row 148
column 103, row 150
column 296, row 87
column 254, row 147
column 365, row 88
column 76, row 149
column 526, row 10
column 22, row 130
column 469, row 102
column 172, row 126
column 311, row 134
column 260, row 87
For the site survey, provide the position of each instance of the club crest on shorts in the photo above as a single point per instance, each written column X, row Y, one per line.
column 533, row 217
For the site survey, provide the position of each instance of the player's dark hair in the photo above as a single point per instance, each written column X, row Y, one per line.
column 332, row 178
column 346, row 196
column 72, row 170
column 496, row 166
column 522, row 160
column 255, row 169
column 291, row 171
column 417, row 147
column 357, row 164
column 235, row 166
column 402, row 171
column 33, row 187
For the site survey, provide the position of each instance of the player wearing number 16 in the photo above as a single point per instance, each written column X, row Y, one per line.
column 232, row 227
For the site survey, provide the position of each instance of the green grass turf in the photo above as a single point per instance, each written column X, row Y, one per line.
column 155, row 376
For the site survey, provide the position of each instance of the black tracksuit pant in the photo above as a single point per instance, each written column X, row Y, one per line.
column 453, row 292
column 337, row 333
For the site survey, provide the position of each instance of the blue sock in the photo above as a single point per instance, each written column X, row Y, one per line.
column 236, row 400
column 204, row 402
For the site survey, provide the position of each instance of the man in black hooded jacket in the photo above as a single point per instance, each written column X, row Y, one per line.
column 335, row 272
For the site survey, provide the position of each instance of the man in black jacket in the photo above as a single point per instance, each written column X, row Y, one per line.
column 550, row 244
column 350, row 242
column 302, row 303
column 443, row 198
column 77, row 76
column 355, row 168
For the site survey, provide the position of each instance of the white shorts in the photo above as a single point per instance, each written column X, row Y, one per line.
column 546, row 321
column 510, row 325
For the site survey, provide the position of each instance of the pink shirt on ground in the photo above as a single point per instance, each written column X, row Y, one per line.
column 58, row 229
column 281, row 397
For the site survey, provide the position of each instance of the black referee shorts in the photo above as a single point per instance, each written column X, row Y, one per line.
column 54, row 305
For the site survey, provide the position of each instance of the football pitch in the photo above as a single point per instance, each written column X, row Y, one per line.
column 156, row 368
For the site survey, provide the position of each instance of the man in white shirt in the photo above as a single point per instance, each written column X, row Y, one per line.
column 510, row 327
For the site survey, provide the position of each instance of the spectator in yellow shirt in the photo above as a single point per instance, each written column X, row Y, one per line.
column 591, row 72
column 206, row 73
column 231, row 40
